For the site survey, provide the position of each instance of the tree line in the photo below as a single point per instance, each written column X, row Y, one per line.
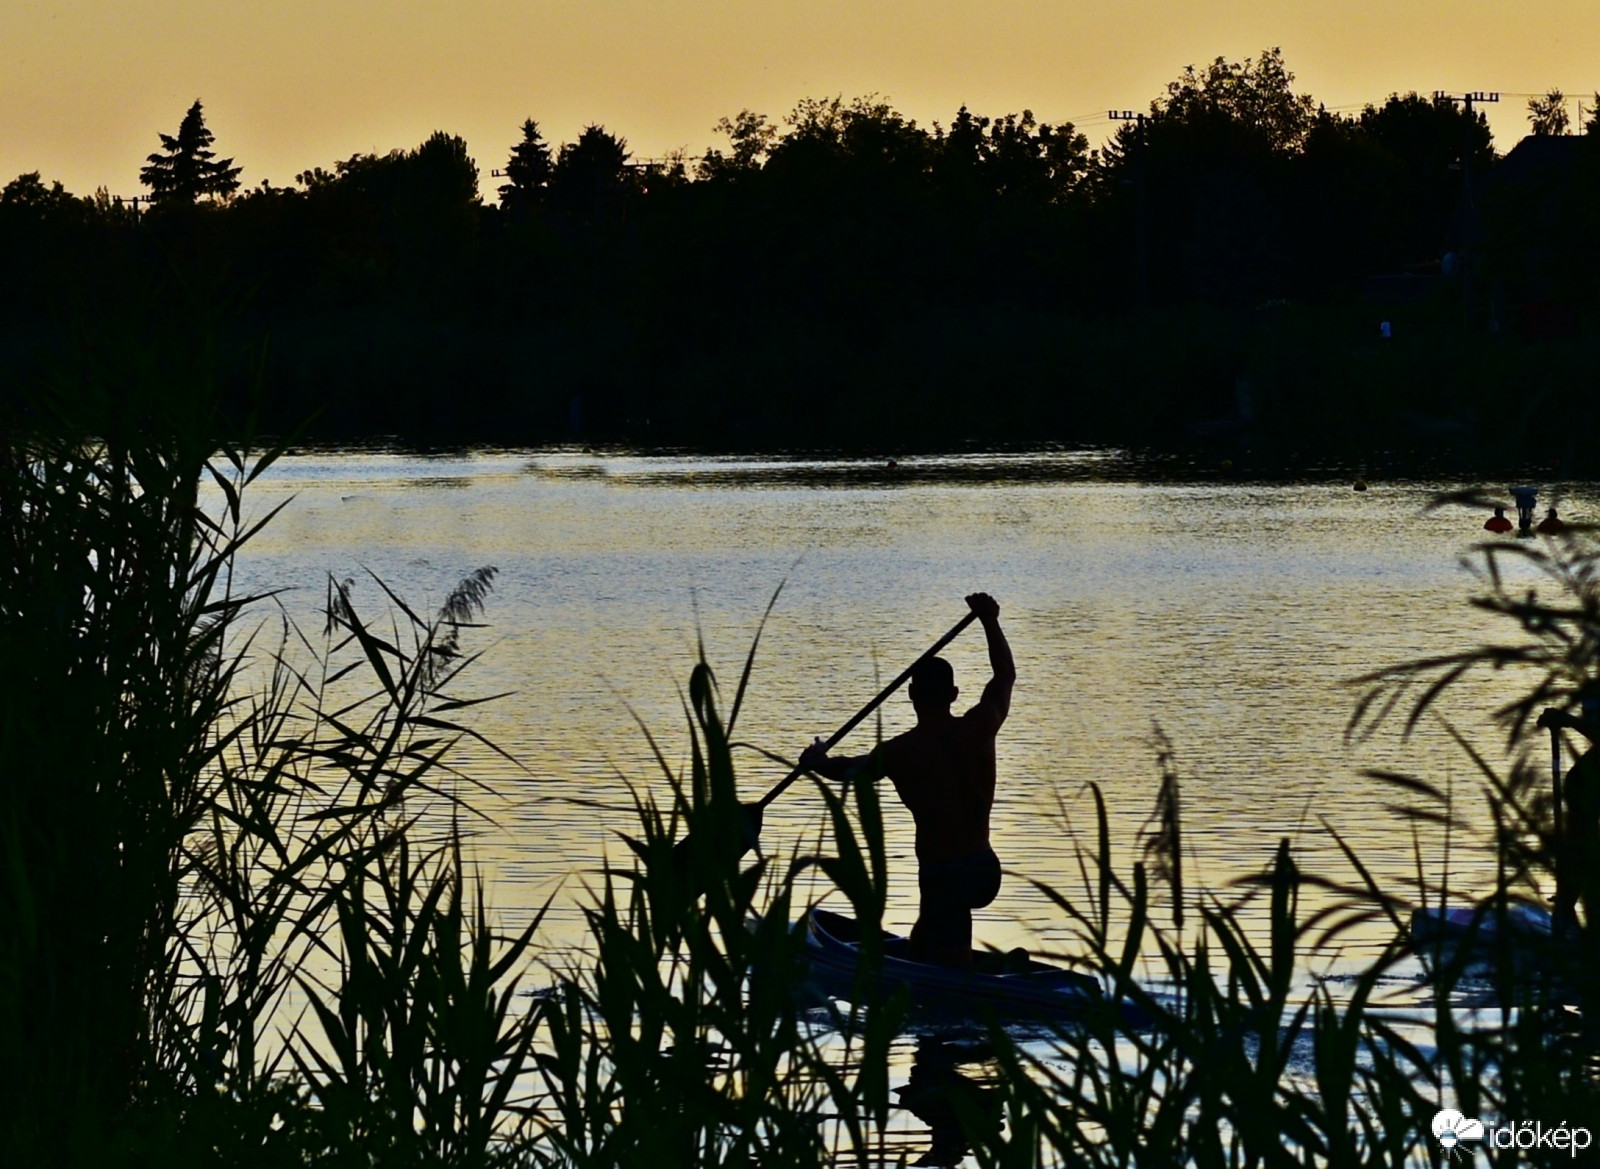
column 840, row 271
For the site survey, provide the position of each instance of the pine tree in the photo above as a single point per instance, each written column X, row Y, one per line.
column 187, row 167
column 529, row 171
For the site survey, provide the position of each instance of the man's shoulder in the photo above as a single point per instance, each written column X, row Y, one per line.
column 986, row 715
column 902, row 741
column 902, row 745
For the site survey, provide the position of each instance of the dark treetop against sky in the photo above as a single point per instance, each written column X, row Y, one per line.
column 85, row 85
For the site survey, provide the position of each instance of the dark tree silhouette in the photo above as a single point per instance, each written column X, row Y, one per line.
column 1256, row 94
column 443, row 174
column 1213, row 160
column 1016, row 157
column 750, row 137
column 1428, row 134
column 438, row 177
column 529, row 170
column 864, row 146
column 186, row 167
column 1027, row 159
column 1547, row 115
column 29, row 192
column 961, row 155
column 1231, row 114
column 590, row 174
column 846, row 261
column 1426, row 139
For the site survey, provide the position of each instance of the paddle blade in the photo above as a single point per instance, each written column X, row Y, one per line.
column 686, row 851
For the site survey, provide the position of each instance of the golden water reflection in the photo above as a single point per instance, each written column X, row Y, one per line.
column 1229, row 614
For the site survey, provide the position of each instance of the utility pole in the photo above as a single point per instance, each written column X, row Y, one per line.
column 1469, row 242
column 1141, row 199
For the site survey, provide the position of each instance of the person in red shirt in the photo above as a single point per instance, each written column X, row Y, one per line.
column 1551, row 525
column 943, row 770
column 1497, row 523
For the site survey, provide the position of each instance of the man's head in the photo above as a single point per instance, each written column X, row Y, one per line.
column 933, row 686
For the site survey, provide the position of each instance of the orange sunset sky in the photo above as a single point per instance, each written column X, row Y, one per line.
column 85, row 85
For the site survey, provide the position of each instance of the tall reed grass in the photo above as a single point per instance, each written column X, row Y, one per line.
column 204, row 816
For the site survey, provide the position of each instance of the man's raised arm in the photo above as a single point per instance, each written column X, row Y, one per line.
column 997, row 694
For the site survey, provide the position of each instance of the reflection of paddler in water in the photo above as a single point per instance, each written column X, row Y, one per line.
column 940, row 1096
column 943, row 770
column 1497, row 523
column 1577, row 859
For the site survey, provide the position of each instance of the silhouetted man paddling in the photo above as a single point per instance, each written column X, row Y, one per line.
column 943, row 771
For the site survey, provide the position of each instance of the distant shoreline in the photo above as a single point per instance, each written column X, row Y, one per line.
column 999, row 464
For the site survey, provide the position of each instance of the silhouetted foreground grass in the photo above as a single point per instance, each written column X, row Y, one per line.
column 236, row 926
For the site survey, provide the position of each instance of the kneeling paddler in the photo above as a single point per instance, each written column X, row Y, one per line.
column 943, row 771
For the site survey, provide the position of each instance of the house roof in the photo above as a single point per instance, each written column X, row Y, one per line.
column 1539, row 158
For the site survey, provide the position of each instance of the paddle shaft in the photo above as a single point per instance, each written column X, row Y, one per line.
column 871, row 706
column 1555, row 775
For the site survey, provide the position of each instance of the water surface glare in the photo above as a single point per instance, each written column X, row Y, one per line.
column 1230, row 614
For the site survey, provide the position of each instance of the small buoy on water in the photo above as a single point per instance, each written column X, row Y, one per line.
column 893, row 464
column 1360, row 485
column 1227, row 466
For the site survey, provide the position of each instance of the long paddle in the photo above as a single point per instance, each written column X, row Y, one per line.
column 751, row 813
column 1555, row 778
column 861, row 714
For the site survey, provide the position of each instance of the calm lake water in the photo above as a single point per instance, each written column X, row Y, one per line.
column 1229, row 614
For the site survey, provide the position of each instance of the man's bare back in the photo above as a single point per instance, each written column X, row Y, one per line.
column 943, row 769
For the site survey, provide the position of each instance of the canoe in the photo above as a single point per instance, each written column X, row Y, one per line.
column 1441, row 935
column 1012, row 987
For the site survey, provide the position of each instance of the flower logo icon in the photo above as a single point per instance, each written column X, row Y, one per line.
column 1451, row 1128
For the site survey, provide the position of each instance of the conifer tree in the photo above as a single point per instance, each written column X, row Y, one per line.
column 186, row 167
column 529, row 171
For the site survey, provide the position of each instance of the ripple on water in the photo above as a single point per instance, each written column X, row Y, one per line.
column 1229, row 615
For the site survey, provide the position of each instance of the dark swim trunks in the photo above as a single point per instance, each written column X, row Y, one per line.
column 951, row 890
